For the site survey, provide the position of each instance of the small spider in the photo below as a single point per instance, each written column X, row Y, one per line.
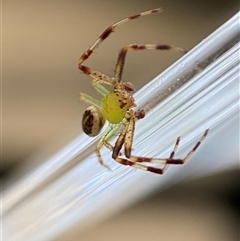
column 116, row 106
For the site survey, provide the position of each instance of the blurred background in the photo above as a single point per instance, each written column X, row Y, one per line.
column 205, row 209
column 41, row 112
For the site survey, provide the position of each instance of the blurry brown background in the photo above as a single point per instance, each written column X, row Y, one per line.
column 41, row 43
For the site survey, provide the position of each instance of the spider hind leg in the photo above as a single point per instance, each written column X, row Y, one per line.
column 136, row 161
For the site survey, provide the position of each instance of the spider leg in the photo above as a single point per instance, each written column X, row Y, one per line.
column 90, row 100
column 135, row 161
column 123, row 52
column 182, row 161
column 175, row 148
column 98, row 77
column 136, row 164
column 164, row 168
column 101, row 89
column 128, row 140
column 119, row 142
column 110, row 132
column 101, row 38
column 171, row 160
column 108, row 31
column 125, row 137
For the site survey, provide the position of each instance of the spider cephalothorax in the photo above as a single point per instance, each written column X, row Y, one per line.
column 116, row 104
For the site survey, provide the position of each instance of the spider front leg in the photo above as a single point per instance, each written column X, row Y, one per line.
column 124, row 50
column 126, row 136
column 105, row 34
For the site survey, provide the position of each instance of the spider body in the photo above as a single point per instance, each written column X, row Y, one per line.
column 116, row 104
column 116, row 107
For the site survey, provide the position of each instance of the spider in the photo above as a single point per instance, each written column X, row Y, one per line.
column 116, row 106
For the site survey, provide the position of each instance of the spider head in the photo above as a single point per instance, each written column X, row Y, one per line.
column 92, row 121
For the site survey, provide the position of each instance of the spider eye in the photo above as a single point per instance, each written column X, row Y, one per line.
column 92, row 121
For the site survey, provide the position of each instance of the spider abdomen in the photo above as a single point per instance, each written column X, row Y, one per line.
column 92, row 121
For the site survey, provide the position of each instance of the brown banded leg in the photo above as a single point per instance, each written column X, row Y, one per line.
column 125, row 137
column 126, row 134
column 110, row 147
column 136, row 164
column 135, row 161
column 163, row 169
column 120, row 141
column 98, row 77
column 123, row 52
column 171, row 160
column 182, row 161
column 105, row 35
column 175, row 148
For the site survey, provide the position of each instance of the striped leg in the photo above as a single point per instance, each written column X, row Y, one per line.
column 175, row 148
column 135, row 161
column 102, row 37
column 171, row 155
column 147, row 168
column 123, row 52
